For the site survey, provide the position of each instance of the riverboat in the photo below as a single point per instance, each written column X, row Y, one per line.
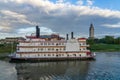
column 52, row 47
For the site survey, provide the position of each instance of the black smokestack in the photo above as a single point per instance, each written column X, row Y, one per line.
column 37, row 32
column 71, row 35
column 67, row 37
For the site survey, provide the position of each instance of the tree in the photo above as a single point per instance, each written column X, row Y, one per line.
column 90, row 41
column 117, row 40
column 109, row 39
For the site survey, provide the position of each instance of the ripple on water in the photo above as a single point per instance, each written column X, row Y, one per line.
column 7, row 71
column 106, row 67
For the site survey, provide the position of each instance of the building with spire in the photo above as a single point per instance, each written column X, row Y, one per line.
column 91, row 31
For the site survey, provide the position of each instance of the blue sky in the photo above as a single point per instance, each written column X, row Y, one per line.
column 19, row 17
column 110, row 4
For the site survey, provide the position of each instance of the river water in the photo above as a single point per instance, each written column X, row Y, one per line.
column 105, row 67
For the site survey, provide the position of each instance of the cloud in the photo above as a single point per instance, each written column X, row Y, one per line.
column 60, row 1
column 79, row 2
column 30, row 30
column 112, row 25
column 90, row 2
column 12, row 14
column 17, row 16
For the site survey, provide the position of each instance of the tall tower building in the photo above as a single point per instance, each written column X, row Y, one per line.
column 91, row 32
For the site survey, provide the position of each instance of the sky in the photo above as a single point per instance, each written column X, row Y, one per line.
column 19, row 17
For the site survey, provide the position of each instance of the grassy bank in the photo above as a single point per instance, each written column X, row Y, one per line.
column 7, row 48
column 105, row 47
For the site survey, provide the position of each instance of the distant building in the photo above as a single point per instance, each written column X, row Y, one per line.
column 11, row 40
column 91, row 32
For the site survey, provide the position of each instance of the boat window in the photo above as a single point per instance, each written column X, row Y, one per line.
column 48, row 54
column 84, row 48
column 74, row 54
column 57, row 55
column 53, row 54
column 56, row 49
column 56, row 44
column 68, row 55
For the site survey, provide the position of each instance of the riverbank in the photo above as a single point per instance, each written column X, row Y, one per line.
column 7, row 48
column 105, row 47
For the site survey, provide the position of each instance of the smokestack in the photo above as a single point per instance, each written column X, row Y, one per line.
column 71, row 35
column 67, row 37
column 37, row 32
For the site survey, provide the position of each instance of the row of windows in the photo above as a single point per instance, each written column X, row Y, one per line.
column 51, row 49
column 83, row 49
column 42, row 49
column 37, row 44
column 82, row 43
column 48, row 49
column 60, row 55
column 56, row 55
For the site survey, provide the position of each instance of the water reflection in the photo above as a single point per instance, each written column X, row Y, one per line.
column 105, row 67
column 69, row 70
column 7, row 71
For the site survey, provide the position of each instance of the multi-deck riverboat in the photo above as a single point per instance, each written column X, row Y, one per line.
column 52, row 47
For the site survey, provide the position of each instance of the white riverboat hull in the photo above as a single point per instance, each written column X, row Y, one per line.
column 53, row 58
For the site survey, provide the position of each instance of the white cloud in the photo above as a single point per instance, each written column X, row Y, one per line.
column 12, row 14
column 61, row 16
column 64, row 8
column 43, row 30
column 60, row 1
column 112, row 25
column 14, row 17
column 80, row 2
column 90, row 2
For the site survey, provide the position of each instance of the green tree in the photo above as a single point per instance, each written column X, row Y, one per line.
column 109, row 39
column 117, row 40
column 90, row 41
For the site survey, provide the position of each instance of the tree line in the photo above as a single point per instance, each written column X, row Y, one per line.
column 105, row 40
